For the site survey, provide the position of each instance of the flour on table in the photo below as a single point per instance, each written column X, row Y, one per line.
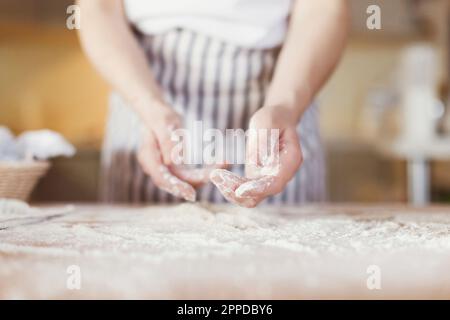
column 209, row 251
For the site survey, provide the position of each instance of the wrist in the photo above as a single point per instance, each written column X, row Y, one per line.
column 289, row 105
column 148, row 107
column 282, row 115
column 272, row 116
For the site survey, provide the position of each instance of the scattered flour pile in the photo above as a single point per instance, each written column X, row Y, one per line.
column 200, row 251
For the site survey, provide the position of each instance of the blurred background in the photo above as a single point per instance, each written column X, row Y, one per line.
column 385, row 114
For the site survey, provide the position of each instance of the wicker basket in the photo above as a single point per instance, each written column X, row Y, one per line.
column 18, row 179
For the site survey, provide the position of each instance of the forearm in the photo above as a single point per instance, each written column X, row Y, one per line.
column 112, row 48
column 316, row 38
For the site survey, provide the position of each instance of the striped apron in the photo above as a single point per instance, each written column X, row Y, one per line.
column 218, row 83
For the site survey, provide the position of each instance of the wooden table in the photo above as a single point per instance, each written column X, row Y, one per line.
column 345, row 251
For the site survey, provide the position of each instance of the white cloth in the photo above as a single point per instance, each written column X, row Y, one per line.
column 247, row 23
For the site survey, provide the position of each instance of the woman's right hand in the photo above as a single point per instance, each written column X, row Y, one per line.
column 155, row 150
column 159, row 158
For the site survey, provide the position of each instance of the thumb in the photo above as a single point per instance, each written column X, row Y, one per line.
column 165, row 133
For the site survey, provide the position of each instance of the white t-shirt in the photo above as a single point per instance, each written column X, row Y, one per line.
column 248, row 23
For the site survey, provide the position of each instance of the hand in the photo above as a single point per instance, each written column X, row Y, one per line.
column 155, row 150
column 195, row 177
column 157, row 159
column 269, row 166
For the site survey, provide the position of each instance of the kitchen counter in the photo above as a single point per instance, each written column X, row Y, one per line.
column 198, row 251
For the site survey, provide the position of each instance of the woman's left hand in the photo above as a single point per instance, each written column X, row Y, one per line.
column 270, row 165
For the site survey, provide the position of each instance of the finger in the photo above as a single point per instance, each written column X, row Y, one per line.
column 194, row 177
column 222, row 176
column 176, row 186
column 197, row 176
column 166, row 145
column 150, row 159
column 290, row 159
column 257, row 188
column 165, row 133
column 227, row 183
